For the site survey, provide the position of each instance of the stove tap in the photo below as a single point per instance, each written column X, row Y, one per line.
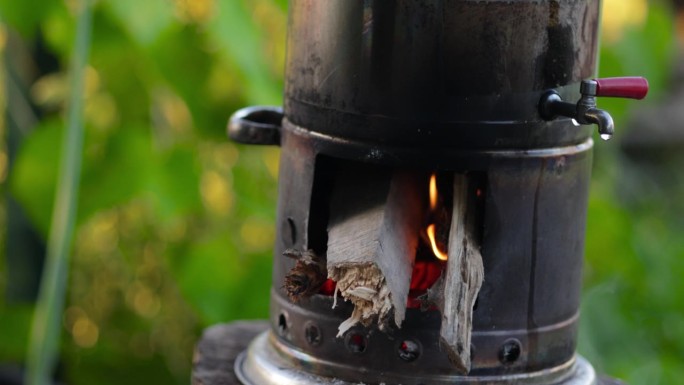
column 552, row 105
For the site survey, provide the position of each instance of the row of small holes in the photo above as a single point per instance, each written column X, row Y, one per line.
column 408, row 350
column 355, row 342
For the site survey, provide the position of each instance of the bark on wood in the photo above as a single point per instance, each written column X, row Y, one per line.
column 215, row 353
column 456, row 291
column 306, row 277
column 375, row 220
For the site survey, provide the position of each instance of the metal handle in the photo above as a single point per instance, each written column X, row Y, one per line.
column 632, row 87
column 256, row 125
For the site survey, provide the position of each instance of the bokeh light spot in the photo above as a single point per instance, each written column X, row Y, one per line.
column 216, row 192
column 619, row 15
column 257, row 234
column 85, row 333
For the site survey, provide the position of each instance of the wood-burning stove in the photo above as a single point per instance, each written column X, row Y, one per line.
column 491, row 101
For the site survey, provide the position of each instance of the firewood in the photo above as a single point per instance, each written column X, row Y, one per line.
column 375, row 219
column 306, row 277
column 462, row 279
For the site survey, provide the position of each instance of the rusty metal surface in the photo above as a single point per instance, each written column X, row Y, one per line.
column 463, row 74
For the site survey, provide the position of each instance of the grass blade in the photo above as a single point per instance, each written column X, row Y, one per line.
column 43, row 347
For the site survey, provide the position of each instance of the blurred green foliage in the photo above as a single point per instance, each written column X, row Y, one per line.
column 632, row 322
column 175, row 223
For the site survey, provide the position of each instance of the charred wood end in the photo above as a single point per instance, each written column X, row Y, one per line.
column 306, row 277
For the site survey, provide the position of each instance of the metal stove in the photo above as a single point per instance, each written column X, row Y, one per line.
column 501, row 91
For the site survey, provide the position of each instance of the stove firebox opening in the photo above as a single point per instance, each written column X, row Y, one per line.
column 381, row 239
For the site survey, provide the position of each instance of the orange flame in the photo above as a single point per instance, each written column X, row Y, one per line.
column 438, row 253
column 431, row 228
column 433, row 191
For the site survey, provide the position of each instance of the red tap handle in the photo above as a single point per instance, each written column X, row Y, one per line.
column 632, row 87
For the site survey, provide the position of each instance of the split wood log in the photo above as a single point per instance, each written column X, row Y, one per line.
column 462, row 278
column 375, row 220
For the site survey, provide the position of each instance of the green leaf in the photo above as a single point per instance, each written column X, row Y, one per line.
column 26, row 15
column 118, row 174
column 175, row 184
column 14, row 330
column 33, row 177
column 144, row 20
column 221, row 284
column 181, row 60
column 237, row 36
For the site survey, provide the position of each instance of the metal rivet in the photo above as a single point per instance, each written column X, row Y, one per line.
column 312, row 333
column 510, row 351
column 408, row 350
column 356, row 343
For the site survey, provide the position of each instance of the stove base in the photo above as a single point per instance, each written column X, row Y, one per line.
column 268, row 362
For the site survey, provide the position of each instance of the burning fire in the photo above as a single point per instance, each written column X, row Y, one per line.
column 431, row 228
column 433, row 192
column 438, row 253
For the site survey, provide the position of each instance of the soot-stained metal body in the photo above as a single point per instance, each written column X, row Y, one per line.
column 448, row 86
column 461, row 74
